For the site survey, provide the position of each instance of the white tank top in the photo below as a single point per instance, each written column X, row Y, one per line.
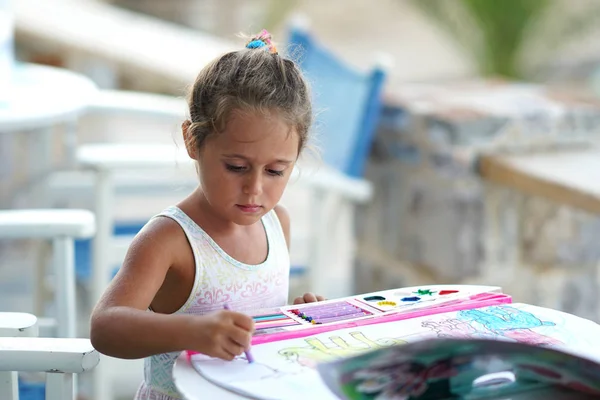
column 221, row 279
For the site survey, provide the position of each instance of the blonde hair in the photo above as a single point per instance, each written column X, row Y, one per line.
column 256, row 80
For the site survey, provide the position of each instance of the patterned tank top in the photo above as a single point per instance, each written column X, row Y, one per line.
column 220, row 279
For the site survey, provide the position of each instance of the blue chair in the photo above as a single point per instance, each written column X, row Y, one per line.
column 347, row 103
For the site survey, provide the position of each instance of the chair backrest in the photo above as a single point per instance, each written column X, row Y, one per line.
column 347, row 102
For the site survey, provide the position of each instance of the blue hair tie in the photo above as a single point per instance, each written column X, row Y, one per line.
column 256, row 44
column 263, row 40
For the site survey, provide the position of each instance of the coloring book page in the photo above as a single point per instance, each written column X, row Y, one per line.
column 287, row 369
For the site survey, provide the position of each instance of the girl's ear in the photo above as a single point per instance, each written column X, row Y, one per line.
column 188, row 139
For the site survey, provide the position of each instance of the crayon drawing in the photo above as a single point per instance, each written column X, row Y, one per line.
column 496, row 322
column 316, row 349
column 288, row 367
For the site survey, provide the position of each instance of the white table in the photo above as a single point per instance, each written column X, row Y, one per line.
column 193, row 386
column 41, row 98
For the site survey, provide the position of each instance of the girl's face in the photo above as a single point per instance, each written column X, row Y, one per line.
column 245, row 169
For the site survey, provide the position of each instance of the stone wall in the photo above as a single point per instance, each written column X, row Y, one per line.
column 430, row 205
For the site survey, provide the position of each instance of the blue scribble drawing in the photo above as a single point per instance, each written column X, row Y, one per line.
column 494, row 322
column 503, row 318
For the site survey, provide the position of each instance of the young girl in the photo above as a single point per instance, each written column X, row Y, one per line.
column 227, row 242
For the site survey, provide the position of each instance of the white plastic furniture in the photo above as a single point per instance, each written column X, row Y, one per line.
column 40, row 99
column 14, row 325
column 100, row 38
column 43, row 96
column 61, row 227
column 190, row 383
column 17, row 324
column 59, row 358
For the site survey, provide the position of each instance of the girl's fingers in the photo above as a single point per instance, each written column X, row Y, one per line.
column 242, row 320
column 240, row 337
column 309, row 298
column 233, row 348
column 224, row 354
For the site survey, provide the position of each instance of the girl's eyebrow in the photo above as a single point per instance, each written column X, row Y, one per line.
column 278, row 161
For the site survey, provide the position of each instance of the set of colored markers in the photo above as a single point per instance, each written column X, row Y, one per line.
column 270, row 321
column 330, row 312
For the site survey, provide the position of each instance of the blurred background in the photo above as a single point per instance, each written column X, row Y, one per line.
column 457, row 142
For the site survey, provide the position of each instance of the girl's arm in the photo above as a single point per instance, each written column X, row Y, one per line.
column 284, row 220
column 122, row 327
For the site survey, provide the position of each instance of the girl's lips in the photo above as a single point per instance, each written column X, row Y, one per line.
column 249, row 208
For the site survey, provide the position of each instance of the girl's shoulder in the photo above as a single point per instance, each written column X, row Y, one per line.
column 162, row 231
column 158, row 246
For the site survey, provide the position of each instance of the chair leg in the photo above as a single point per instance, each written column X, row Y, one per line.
column 42, row 292
column 60, row 386
column 104, row 193
column 40, row 161
column 9, row 385
column 64, row 270
column 104, row 232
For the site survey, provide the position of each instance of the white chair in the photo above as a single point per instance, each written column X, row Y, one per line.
column 59, row 358
column 61, row 227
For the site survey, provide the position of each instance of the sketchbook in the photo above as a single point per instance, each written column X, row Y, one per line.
column 338, row 363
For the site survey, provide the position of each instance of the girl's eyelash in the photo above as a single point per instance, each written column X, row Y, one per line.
column 235, row 168
column 277, row 173
column 238, row 168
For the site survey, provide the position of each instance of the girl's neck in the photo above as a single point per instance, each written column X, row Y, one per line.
column 197, row 207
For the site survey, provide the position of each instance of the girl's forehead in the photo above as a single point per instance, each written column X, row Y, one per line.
column 258, row 132
column 240, row 122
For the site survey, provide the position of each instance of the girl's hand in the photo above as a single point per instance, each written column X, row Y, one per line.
column 222, row 334
column 308, row 298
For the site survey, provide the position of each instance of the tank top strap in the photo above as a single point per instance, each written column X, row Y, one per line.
column 274, row 230
column 187, row 224
column 201, row 242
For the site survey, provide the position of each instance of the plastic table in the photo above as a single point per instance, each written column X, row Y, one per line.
column 41, row 98
column 193, row 386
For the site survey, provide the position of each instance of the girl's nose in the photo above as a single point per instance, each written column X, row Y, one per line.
column 253, row 185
